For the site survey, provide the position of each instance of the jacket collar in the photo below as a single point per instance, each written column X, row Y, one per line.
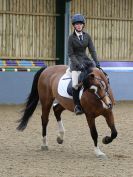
column 78, row 34
column 74, row 33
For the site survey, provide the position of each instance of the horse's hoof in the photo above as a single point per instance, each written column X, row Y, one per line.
column 99, row 153
column 44, row 148
column 59, row 140
column 102, row 156
column 106, row 140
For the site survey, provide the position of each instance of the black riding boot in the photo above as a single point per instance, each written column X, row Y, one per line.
column 78, row 110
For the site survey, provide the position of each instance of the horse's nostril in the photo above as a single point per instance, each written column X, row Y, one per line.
column 110, row 106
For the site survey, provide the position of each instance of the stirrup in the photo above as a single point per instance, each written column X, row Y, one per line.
column 78, row 110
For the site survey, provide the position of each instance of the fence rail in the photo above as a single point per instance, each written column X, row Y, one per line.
column 28, row 29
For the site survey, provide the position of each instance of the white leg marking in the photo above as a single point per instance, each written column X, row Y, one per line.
column 98, row 152
column 60, row 136
column 45, row 143
column 61, row 129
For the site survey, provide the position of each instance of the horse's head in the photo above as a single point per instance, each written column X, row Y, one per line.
column 96, row 85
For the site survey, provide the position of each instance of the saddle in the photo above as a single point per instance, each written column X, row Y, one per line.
column 65, row 83
column 81, row 78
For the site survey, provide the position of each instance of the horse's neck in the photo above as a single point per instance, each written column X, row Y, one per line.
column 96, row 72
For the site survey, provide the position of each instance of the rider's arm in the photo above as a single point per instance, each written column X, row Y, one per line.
column 71, row 54
column 92, row 51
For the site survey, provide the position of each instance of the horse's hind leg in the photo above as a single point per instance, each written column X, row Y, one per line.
column 94, row 135
column 58, row 109
column 46, row 106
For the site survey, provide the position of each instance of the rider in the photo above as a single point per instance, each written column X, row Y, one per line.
column 77, row 43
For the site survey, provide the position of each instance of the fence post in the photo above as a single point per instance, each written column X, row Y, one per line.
column 67, row 27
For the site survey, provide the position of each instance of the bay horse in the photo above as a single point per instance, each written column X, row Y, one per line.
column 96, row 100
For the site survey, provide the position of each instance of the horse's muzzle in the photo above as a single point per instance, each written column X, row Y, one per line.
column 110, row 106
column 106, row 106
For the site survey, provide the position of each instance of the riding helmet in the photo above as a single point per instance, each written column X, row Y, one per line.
column 78, row 18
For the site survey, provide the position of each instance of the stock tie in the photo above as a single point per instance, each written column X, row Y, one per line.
column 81, row 38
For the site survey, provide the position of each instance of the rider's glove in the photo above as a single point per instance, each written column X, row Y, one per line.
column 97, row 64
column 82, row 67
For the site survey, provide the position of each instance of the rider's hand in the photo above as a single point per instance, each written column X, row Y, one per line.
column 97, row 64
column 82, row 67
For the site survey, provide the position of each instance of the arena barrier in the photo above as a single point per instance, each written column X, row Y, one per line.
column 21, row 65
column 121, row 78
column 16, row 79
column 119, row 66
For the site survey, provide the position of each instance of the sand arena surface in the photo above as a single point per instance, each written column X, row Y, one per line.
column 21, row 155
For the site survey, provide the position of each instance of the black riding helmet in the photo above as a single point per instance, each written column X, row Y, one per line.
column 78, row 18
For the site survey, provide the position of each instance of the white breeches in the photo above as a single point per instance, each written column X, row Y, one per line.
column 75, row 75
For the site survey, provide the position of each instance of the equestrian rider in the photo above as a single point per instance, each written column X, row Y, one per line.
column 77, row 43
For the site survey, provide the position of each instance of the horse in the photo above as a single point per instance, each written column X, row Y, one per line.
column 96, row 100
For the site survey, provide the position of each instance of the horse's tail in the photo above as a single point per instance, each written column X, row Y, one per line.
column 31, row 102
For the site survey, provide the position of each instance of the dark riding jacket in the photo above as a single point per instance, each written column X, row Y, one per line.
column 77, row 50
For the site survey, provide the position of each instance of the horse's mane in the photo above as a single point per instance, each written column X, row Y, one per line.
column 87, row 70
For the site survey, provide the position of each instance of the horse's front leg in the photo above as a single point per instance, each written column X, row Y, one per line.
column 110, row 121
column 94, row 135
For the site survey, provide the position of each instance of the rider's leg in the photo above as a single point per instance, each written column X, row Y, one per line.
column 77, row 109
column 75, row 75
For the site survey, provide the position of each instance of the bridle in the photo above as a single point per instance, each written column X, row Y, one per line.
column 102, row 85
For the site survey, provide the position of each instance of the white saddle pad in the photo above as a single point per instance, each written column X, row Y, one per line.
column 63, row 84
